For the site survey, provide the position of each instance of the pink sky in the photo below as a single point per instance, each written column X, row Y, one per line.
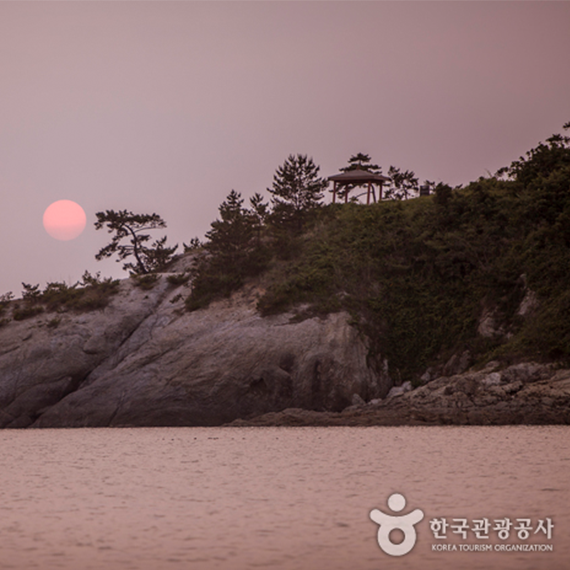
column 167, row 106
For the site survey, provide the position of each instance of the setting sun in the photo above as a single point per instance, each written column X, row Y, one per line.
column 64, row 220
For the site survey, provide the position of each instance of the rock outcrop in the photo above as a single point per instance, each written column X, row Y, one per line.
column 144, row 361
column 526, row 393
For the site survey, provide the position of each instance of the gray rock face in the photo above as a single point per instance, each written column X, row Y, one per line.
column 527, row 393
column 399, row 390
column 144, row 361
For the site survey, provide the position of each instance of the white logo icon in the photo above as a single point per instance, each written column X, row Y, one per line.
column 388, row 523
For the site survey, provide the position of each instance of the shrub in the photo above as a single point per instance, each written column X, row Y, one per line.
column 146, row 282
column 53, row 323
column 5, row 301
column 31, row 293
column 89, row 294
column 26, row 312
column 178, row 279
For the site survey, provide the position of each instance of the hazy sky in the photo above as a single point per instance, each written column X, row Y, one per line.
column 167, row 106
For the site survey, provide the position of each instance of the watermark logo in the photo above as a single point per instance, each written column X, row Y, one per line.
column 461, row 534
column 481, row 530
column 404, row 523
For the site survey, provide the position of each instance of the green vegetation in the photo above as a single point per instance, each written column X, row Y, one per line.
column 26, row 312
column 234, row 251
column 145, row 282
column 242, row 242
column 89, row 294
column 124, row 224
column 178, row 279
column 417, row 275
column 296, row 191
column 5, row 301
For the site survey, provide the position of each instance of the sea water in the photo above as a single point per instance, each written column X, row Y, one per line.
column 284, row 498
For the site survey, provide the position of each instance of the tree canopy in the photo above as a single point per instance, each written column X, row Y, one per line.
column 362, row 161
column 124, row 224
column 540, row 161
column 297, row 189
column 230, row 236
column 232, row 252
column 403, row 185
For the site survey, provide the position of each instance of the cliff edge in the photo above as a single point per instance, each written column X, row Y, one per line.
column 145, row 361
column 525, row 393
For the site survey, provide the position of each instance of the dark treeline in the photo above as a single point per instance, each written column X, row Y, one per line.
column 416, row 275
column 244, row 241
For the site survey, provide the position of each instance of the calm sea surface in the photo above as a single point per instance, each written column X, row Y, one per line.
column 284, row 498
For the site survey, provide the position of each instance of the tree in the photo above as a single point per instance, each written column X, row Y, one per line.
column 443, row 194
column 231, row 236
column 233, row 251
column 361, row 161
column 259, row 214
column 297, row 189
column 540, row 161
column 125, row 224
column 403, row 184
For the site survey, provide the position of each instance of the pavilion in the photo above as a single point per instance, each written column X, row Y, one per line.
column 358, row 177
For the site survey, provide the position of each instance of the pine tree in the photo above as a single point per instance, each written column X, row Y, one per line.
column 232, row 235
column 403, row 186
column 361, row 161
column 233, row 251
column 125, row 224
column 297, row 189
column 259, row 214
column 540, row 161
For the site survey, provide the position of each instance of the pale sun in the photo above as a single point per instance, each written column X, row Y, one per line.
column 64, row 220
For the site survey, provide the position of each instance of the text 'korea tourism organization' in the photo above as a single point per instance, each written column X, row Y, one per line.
column 461, row 534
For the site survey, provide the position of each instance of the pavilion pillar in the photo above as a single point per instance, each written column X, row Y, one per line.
column 368, row 195
column 334, row 192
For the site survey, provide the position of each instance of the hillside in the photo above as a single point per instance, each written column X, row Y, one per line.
column 463, row 295
column 142, row 360
column 477, row 273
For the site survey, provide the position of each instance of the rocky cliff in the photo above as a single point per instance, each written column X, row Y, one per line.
column 144, row 361
column 524, row 393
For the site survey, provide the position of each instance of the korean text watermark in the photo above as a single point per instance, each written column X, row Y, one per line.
column 484, row 534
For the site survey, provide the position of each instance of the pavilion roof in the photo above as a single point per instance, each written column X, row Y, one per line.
column 358, row 175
